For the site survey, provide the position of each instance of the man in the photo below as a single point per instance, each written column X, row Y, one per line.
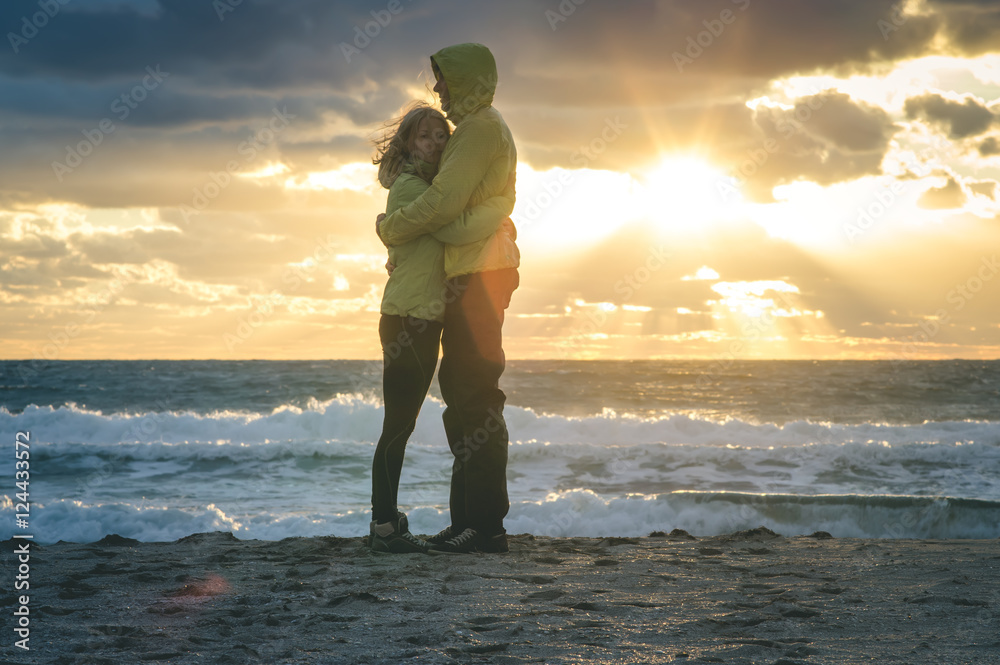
column 478, row 163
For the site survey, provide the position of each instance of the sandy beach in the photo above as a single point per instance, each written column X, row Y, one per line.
column 749, row 597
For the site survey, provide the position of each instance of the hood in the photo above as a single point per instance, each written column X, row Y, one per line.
column 471, row 74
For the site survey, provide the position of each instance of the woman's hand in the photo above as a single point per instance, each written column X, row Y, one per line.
column 389, row 266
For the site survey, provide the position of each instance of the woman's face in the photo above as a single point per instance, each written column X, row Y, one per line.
column 430, row 139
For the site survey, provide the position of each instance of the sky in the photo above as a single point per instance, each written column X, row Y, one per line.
column 712, row 179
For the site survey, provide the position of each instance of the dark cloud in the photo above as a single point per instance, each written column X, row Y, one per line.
column 742, row 38
column 561, row 78
column 845, row 123
column 231, row 66
column 300, row 42
column 192, row 38
column 962, row 119
column 971, row 27
column 826, row 138
column 990, row 146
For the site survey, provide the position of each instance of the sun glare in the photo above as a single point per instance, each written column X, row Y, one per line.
column 357, row 177
column 680, row 195
column 683, row 190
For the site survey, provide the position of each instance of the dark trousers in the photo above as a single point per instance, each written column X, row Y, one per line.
column 471, row 364
column 409, row 356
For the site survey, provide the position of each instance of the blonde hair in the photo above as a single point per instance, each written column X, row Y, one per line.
column 393, row 149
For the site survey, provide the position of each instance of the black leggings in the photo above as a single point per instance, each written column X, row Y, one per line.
column 409, row 357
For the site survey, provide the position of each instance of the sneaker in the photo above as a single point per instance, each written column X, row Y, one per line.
column 404, row 524
column 395, row 537
column 463, row 543
column 444, row 534
column 493, row 544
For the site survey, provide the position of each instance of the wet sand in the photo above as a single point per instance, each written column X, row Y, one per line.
column 750, row 597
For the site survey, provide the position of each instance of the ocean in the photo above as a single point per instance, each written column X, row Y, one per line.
column 158, row 450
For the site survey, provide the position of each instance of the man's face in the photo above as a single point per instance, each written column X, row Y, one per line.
column 441, row 88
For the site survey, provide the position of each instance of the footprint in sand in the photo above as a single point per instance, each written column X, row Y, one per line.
column 550, row 594
column 554, row 560
column 362, row 597
column 55, row 611
column 486, row 624
column 424, row 640
column 77, row 590
column 120, row 631
column 157, row 656
column 108, row 569
column 799, row 612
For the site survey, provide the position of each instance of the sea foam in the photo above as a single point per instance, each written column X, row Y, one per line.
column 305, row 471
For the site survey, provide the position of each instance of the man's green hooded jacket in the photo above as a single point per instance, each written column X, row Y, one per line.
column 478, row 163
column 416, row 287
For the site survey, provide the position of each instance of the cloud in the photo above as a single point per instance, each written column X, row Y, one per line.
column 969, row 117
column 950, row 195
column 845, row 123
column 825, row 138
column 970, row 27
column 255, row 43
column 227, row 69
column 985, row 188
column 990, row 146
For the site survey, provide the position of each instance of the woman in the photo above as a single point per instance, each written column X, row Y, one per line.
column 413, row 307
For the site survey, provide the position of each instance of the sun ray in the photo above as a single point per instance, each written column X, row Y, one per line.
column 682, row 193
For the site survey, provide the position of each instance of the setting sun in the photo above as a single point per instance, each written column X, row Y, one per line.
column 684, row 190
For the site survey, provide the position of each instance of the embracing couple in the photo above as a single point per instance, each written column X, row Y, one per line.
column 452, row 269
